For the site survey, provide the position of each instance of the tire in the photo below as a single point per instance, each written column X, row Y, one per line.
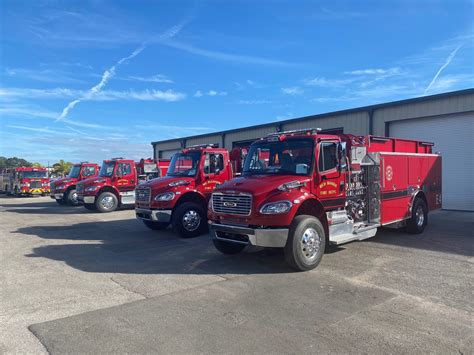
column 156, row 226
column 306, row 243
column 71, row 198
column 106, row 202
column 189, row 220
column 89, row 206
column 419, row 217
column 228, row 248
column 60, row 202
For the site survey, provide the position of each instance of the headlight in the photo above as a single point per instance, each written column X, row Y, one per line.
column 178, row 183
column 60, row 187
column 92, row 188
column 278, row 207
column 167, row 196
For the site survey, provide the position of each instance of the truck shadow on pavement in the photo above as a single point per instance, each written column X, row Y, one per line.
column 127, row 247
column 52, row 208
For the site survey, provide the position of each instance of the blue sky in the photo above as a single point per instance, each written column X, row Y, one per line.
column 89, row 80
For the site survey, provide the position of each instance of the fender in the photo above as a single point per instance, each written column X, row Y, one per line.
column 191, row 196
column 109, row 188
column 312, row 206
column 416, row 193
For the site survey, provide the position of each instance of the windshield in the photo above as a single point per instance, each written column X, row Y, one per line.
column 107, row 169
column 34, row 174
column 184, row 164
column 74, row 173
column 288, row 157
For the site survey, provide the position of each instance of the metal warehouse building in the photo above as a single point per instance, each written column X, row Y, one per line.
column 445, row 119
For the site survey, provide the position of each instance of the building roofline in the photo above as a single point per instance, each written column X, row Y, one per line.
column 329, row 114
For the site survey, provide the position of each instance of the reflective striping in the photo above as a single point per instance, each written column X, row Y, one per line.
column 394, row 194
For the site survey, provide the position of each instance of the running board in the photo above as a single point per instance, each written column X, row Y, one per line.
column 361, row 234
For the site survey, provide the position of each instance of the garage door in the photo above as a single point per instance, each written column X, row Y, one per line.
column 167, row 154
column 453, row 137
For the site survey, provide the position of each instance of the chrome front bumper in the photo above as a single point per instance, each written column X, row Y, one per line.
column 153, row 215
column 270, row 237
column 57, row 196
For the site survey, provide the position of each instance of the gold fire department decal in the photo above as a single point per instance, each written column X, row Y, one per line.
column 209, row 182
column 329, row 185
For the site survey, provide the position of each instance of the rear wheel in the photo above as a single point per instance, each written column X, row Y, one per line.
column 156, row 225
column 228, row 248
column 419, row 217
column 306, row 243
column 71, row 198
column 189, row 220
column 106, row 202
column 89, row 206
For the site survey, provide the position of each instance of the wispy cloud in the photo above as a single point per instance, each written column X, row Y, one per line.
column 254, row 102
column 244, row 59
column 42, row 75
column 326, row 13
column 323, row 82
column 105, row 95
column 440, row 70
column 159, row 78
column 33, row 129
column 110, row 72
column 294, row 90
column 200, row 93
column 375, row 71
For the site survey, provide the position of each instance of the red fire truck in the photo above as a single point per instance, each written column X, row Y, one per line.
column 115, row 185
column 26, row 181
column 317, row 189
column 181, row 197
column 64, row 190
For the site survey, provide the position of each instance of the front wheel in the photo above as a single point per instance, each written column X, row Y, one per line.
column 71, row 198
column 306, row 243
column 156, row 225
column 228, row 248
column 106, row 202
column 419, row 217
column 189, row 220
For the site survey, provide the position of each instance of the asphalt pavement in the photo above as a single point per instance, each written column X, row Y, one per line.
column 75, row 281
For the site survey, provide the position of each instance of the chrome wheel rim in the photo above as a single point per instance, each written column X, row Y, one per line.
column 74, row 197
column 107, row 202
column 191, row 220
column 310, row 244
column 420, row 216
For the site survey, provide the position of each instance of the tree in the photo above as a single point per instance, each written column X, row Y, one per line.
column 36, row 165
column 62, row 167
column 13, row 162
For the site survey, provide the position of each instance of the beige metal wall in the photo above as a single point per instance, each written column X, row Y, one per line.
column 435, row 107
column 352, row 122
column 355, row 123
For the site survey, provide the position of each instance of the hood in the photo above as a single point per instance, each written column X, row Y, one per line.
column 163, row 183
column 92, row 179
column 64, row 180
column 259, row 184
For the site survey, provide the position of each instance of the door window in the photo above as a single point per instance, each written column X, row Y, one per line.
column 213, row 163
column 88, row 171
column 327, row 156
column 124, row 169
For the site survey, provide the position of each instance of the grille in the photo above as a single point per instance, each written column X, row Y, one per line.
column 232, row 204
column 35, row 184
column 143, row 194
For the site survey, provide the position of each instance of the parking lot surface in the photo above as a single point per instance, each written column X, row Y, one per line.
column 75, row 281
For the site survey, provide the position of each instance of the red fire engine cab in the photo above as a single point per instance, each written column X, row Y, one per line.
column 181, row 197
column 27, row 181
column 63, row 190
column 116, row 182
column 314, row 189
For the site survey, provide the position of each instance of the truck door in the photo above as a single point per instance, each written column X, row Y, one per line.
column 215, row 172
column 125, row 177
column 329, row 181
